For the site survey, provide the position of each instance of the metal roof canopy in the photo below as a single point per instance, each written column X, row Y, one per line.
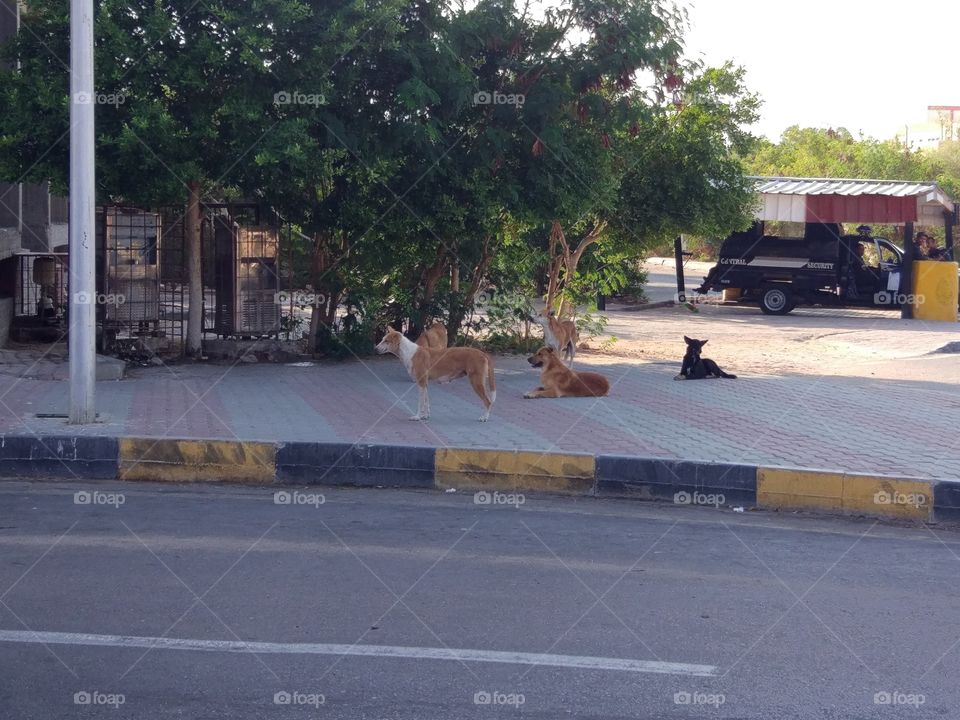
column 888, row 202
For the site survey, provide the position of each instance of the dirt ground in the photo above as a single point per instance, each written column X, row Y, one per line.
column 808, row 341
column 744, row 341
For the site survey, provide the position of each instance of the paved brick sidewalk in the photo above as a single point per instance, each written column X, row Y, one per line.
column 843, row 423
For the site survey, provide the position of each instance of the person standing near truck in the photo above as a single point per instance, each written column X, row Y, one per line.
column 933, row 251
column 857, row 265
column 927, row 248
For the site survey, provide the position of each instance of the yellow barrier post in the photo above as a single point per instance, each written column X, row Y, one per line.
column 935, row 290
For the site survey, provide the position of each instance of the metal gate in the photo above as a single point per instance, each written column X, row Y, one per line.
column 128, row 275
column 245, row 277
column 239, row 259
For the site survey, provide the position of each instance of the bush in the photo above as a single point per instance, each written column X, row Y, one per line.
column 504, row 325
column 590, row 326
column 612, row 274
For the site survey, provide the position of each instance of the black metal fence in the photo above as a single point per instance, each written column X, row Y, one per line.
column 240, row 270
column 174, row 281
column 41, row 296
column 246, row 277
column 128, row 276
column 143, row 286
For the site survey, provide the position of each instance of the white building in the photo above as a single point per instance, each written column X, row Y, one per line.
column 942, row 125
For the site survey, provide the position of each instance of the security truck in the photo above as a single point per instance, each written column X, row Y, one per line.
column 824, row 267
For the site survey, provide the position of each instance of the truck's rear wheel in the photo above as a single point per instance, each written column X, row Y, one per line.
column 777, row 300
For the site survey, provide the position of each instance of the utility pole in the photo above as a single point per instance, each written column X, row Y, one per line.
column 906, row 272
column 83, row 292
column 678, row 261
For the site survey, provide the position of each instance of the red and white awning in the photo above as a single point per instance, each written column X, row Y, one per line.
column 888, row 202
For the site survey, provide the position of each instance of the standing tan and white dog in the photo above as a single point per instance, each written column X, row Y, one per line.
column 561, row 335
column 445, row 365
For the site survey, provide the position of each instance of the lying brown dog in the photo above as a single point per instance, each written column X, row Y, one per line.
column 557, row 380
column 433, row 337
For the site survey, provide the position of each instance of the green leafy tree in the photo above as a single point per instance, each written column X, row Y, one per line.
column 817, row 152
column 945, row 166
column 182, row 93
column 685, row 174
column 411, row 143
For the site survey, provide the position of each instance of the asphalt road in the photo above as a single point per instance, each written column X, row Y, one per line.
column 219, row 602
column 662, row 279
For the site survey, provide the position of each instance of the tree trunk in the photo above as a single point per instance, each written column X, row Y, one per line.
column 428, row 284
column 326, row 254
column 566, row 261
column 316, row 272
column 194, row 346
column 458, row 310
column 553, row 269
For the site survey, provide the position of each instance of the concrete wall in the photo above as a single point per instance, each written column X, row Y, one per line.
column 57, row 235
column 35, row 217
column 30, row 218
column 59, row 210
column 9, row 19
column 6, row 317
column 9, row 242
column 9, row 202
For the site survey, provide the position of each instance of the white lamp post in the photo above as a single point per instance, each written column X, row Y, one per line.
column 83, row 295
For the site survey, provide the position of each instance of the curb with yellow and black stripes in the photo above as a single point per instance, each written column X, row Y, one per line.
column 303, row 463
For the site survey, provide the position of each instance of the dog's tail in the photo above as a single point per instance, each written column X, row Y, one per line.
column 727, row 375
column 489, row 382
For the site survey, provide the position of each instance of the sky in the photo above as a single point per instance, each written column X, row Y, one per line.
column 869, row 66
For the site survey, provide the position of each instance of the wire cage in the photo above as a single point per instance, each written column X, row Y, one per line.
column 245, row 276
column 239, row 265
column 142, row 282
column 41, row 290
column 128, row 273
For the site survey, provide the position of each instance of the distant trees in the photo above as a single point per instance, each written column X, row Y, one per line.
column 944, row 166
column 818, row 152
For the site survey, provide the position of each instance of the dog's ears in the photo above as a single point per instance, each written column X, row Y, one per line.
column 704, row 342
column 549, row 350
column 687, row 340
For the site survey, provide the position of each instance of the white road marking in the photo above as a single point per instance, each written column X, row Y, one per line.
column 384, row 651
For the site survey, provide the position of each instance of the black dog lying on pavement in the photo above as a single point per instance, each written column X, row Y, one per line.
column 697, row 368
